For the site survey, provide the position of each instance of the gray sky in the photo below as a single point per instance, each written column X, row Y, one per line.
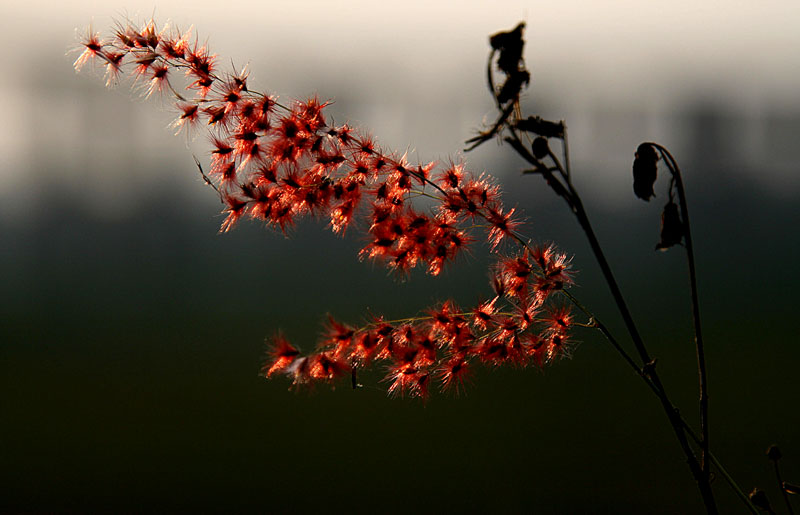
column 412, row 72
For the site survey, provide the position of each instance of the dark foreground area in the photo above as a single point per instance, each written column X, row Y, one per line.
column 131, row 349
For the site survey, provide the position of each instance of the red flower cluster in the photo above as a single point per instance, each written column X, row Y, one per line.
column 513, row 328
column 276, row 163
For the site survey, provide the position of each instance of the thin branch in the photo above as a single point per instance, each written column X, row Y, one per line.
column 698, row 333
column 699, row 472
column 641, row 373
column 208, row 181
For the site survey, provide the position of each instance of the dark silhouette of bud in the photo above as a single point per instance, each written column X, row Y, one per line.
column 513, row 85
column 541, row 127
column 644, row 171
column 671, row 227
column 540, row 148
column 509, row 44
column 774, row 453
column 759, row 499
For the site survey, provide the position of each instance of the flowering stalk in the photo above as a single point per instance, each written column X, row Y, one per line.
column 275, row 163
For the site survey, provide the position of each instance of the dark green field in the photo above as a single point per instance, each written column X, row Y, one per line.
column 131, row 348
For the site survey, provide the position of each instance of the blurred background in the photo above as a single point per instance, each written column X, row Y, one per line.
column 131, row 333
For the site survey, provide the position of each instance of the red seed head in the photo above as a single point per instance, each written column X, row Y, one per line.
column 282, row 354
column 452, row 373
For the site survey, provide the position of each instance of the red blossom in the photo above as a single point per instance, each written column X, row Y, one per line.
column 159, row 79
column 515, row 272
column 451, row 177
column 231, row 94
column 366, row 147
column 452, row 373
column 235, row 208
column 445, row 319
column 365, row 347
column 113, row 61
column 300, row 370
column 325, row 366
column 190, row 114
column 559, row 319
column 143, row 64
column 342, row 214
column 483, row 315
column 460, row 340
column 176, row 45
column 400, row 377
column 282, row 354
column 503, row 226
column 264, row 107
column 125, row 35
column 92, row 47
column 310, row 112
column 426, row 349
column 147, row 36
column 339, row 337
column 544, row 349
column 555, row 268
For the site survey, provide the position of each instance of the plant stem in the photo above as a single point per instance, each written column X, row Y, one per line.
column 700, row 474
column 783, row 490
column 648, row 365
column 640, row 372
column 698, row 333
column 713, row 460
